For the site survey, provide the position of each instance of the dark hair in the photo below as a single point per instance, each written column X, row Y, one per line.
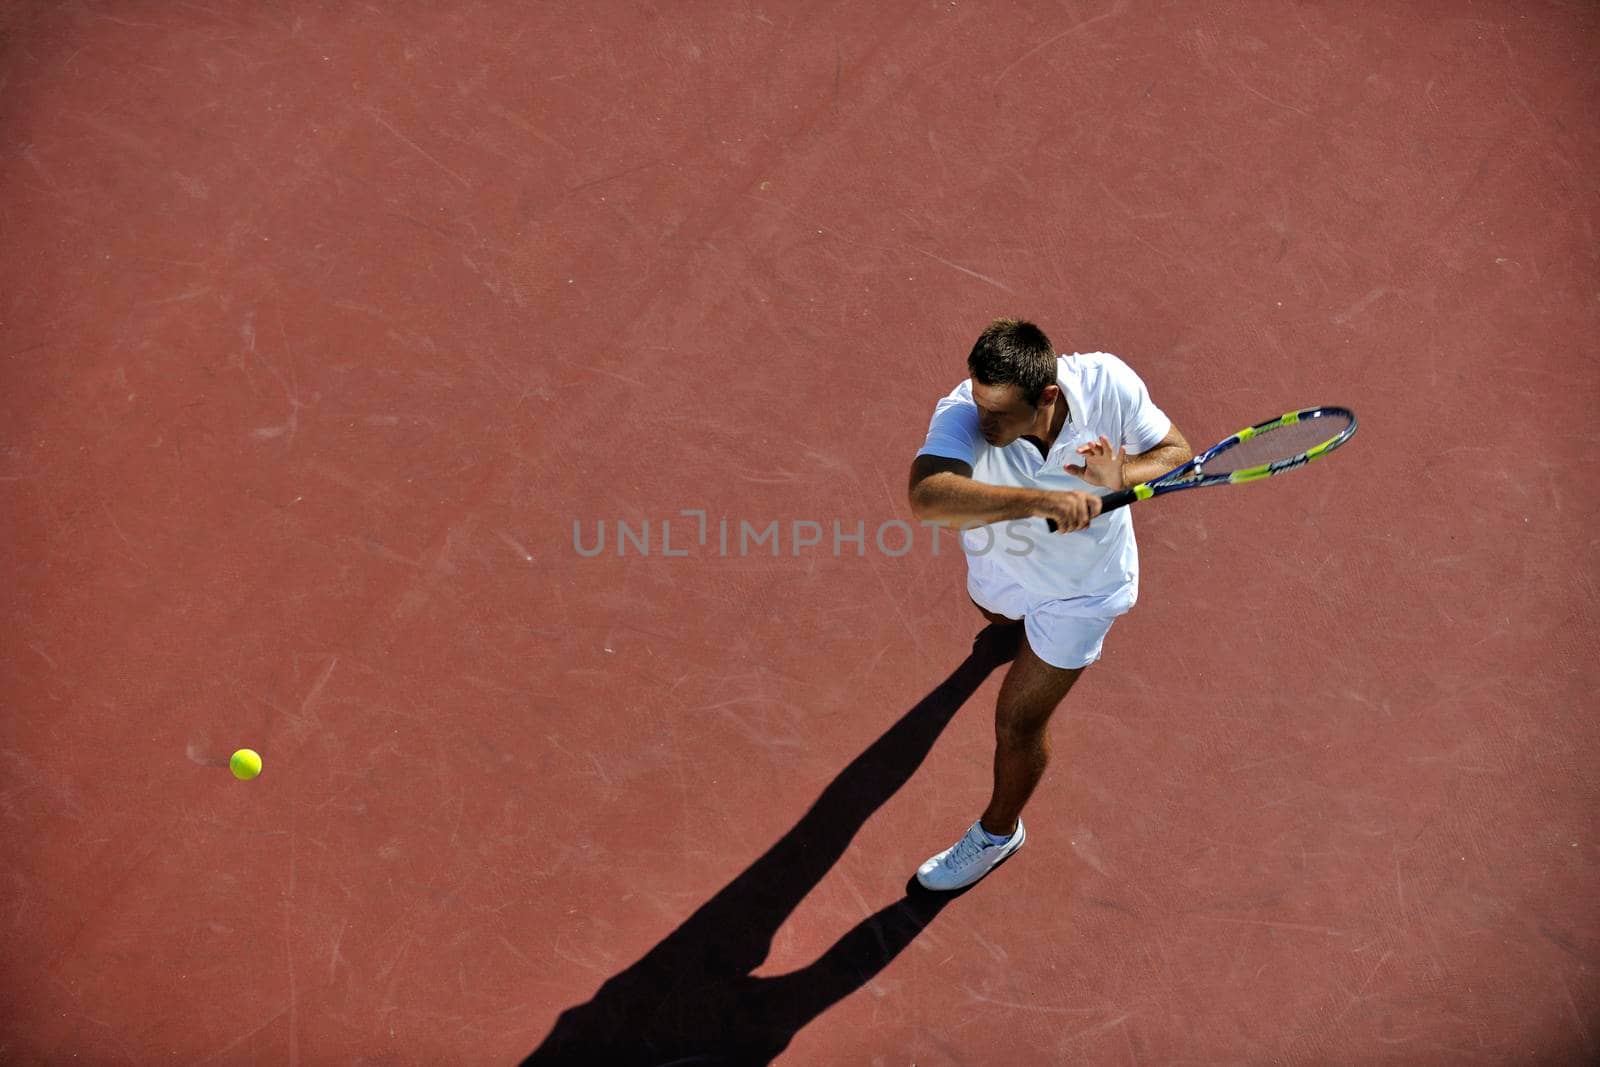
column 1014, row 352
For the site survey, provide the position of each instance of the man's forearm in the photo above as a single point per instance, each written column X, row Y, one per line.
column 1154, row 464
column 956, row 500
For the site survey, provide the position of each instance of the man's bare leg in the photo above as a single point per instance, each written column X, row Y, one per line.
column 1029, row 695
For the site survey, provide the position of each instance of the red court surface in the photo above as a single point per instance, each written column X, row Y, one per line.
column 323, row 324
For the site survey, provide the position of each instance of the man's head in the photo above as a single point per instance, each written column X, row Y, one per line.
column 1013, row 368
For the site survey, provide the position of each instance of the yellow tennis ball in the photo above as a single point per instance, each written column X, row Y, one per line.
column 245, row 764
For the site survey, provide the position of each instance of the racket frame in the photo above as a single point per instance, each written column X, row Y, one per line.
column 1192, row 474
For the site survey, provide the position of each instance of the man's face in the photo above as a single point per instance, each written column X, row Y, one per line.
column 1003, row 414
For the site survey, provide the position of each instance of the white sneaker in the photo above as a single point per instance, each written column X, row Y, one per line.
column 967, row 860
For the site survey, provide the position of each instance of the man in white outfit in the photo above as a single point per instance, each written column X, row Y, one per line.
column 1029, row 438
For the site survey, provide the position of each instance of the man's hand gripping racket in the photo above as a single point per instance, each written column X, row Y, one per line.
column 1255, row 452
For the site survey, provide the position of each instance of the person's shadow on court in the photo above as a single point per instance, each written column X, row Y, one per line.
column 693, row 999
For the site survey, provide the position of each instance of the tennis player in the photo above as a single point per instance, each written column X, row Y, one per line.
column 1032, row 437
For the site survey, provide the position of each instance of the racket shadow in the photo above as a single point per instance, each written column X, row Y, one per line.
column 693, row 999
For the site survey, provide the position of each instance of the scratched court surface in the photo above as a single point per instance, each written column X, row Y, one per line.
column 323, row 324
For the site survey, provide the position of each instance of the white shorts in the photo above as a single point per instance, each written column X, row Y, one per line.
column 1065, row 633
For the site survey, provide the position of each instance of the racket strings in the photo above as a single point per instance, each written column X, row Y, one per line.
column 1279, row 443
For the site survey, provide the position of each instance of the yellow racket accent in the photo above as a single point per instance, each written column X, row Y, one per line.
column 1252, row 474
column 1320, row 449
column 1143, row 492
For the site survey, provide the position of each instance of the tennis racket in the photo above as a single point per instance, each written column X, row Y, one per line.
column 1255, row 452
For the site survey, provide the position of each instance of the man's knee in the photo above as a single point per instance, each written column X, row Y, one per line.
column 1020, row 727
column 1029, row 697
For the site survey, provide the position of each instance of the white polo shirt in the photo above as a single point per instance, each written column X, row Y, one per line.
column 1104, row 397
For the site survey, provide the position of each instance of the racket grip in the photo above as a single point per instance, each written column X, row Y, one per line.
column 1120, row 499
column 1110, row 502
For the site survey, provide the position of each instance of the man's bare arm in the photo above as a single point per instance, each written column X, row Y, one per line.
column 1114, row 469
column 943, row 491
column 1173, row 451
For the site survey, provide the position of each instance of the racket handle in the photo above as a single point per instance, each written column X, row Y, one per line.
column 1110, row 502
column 1120, row 499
